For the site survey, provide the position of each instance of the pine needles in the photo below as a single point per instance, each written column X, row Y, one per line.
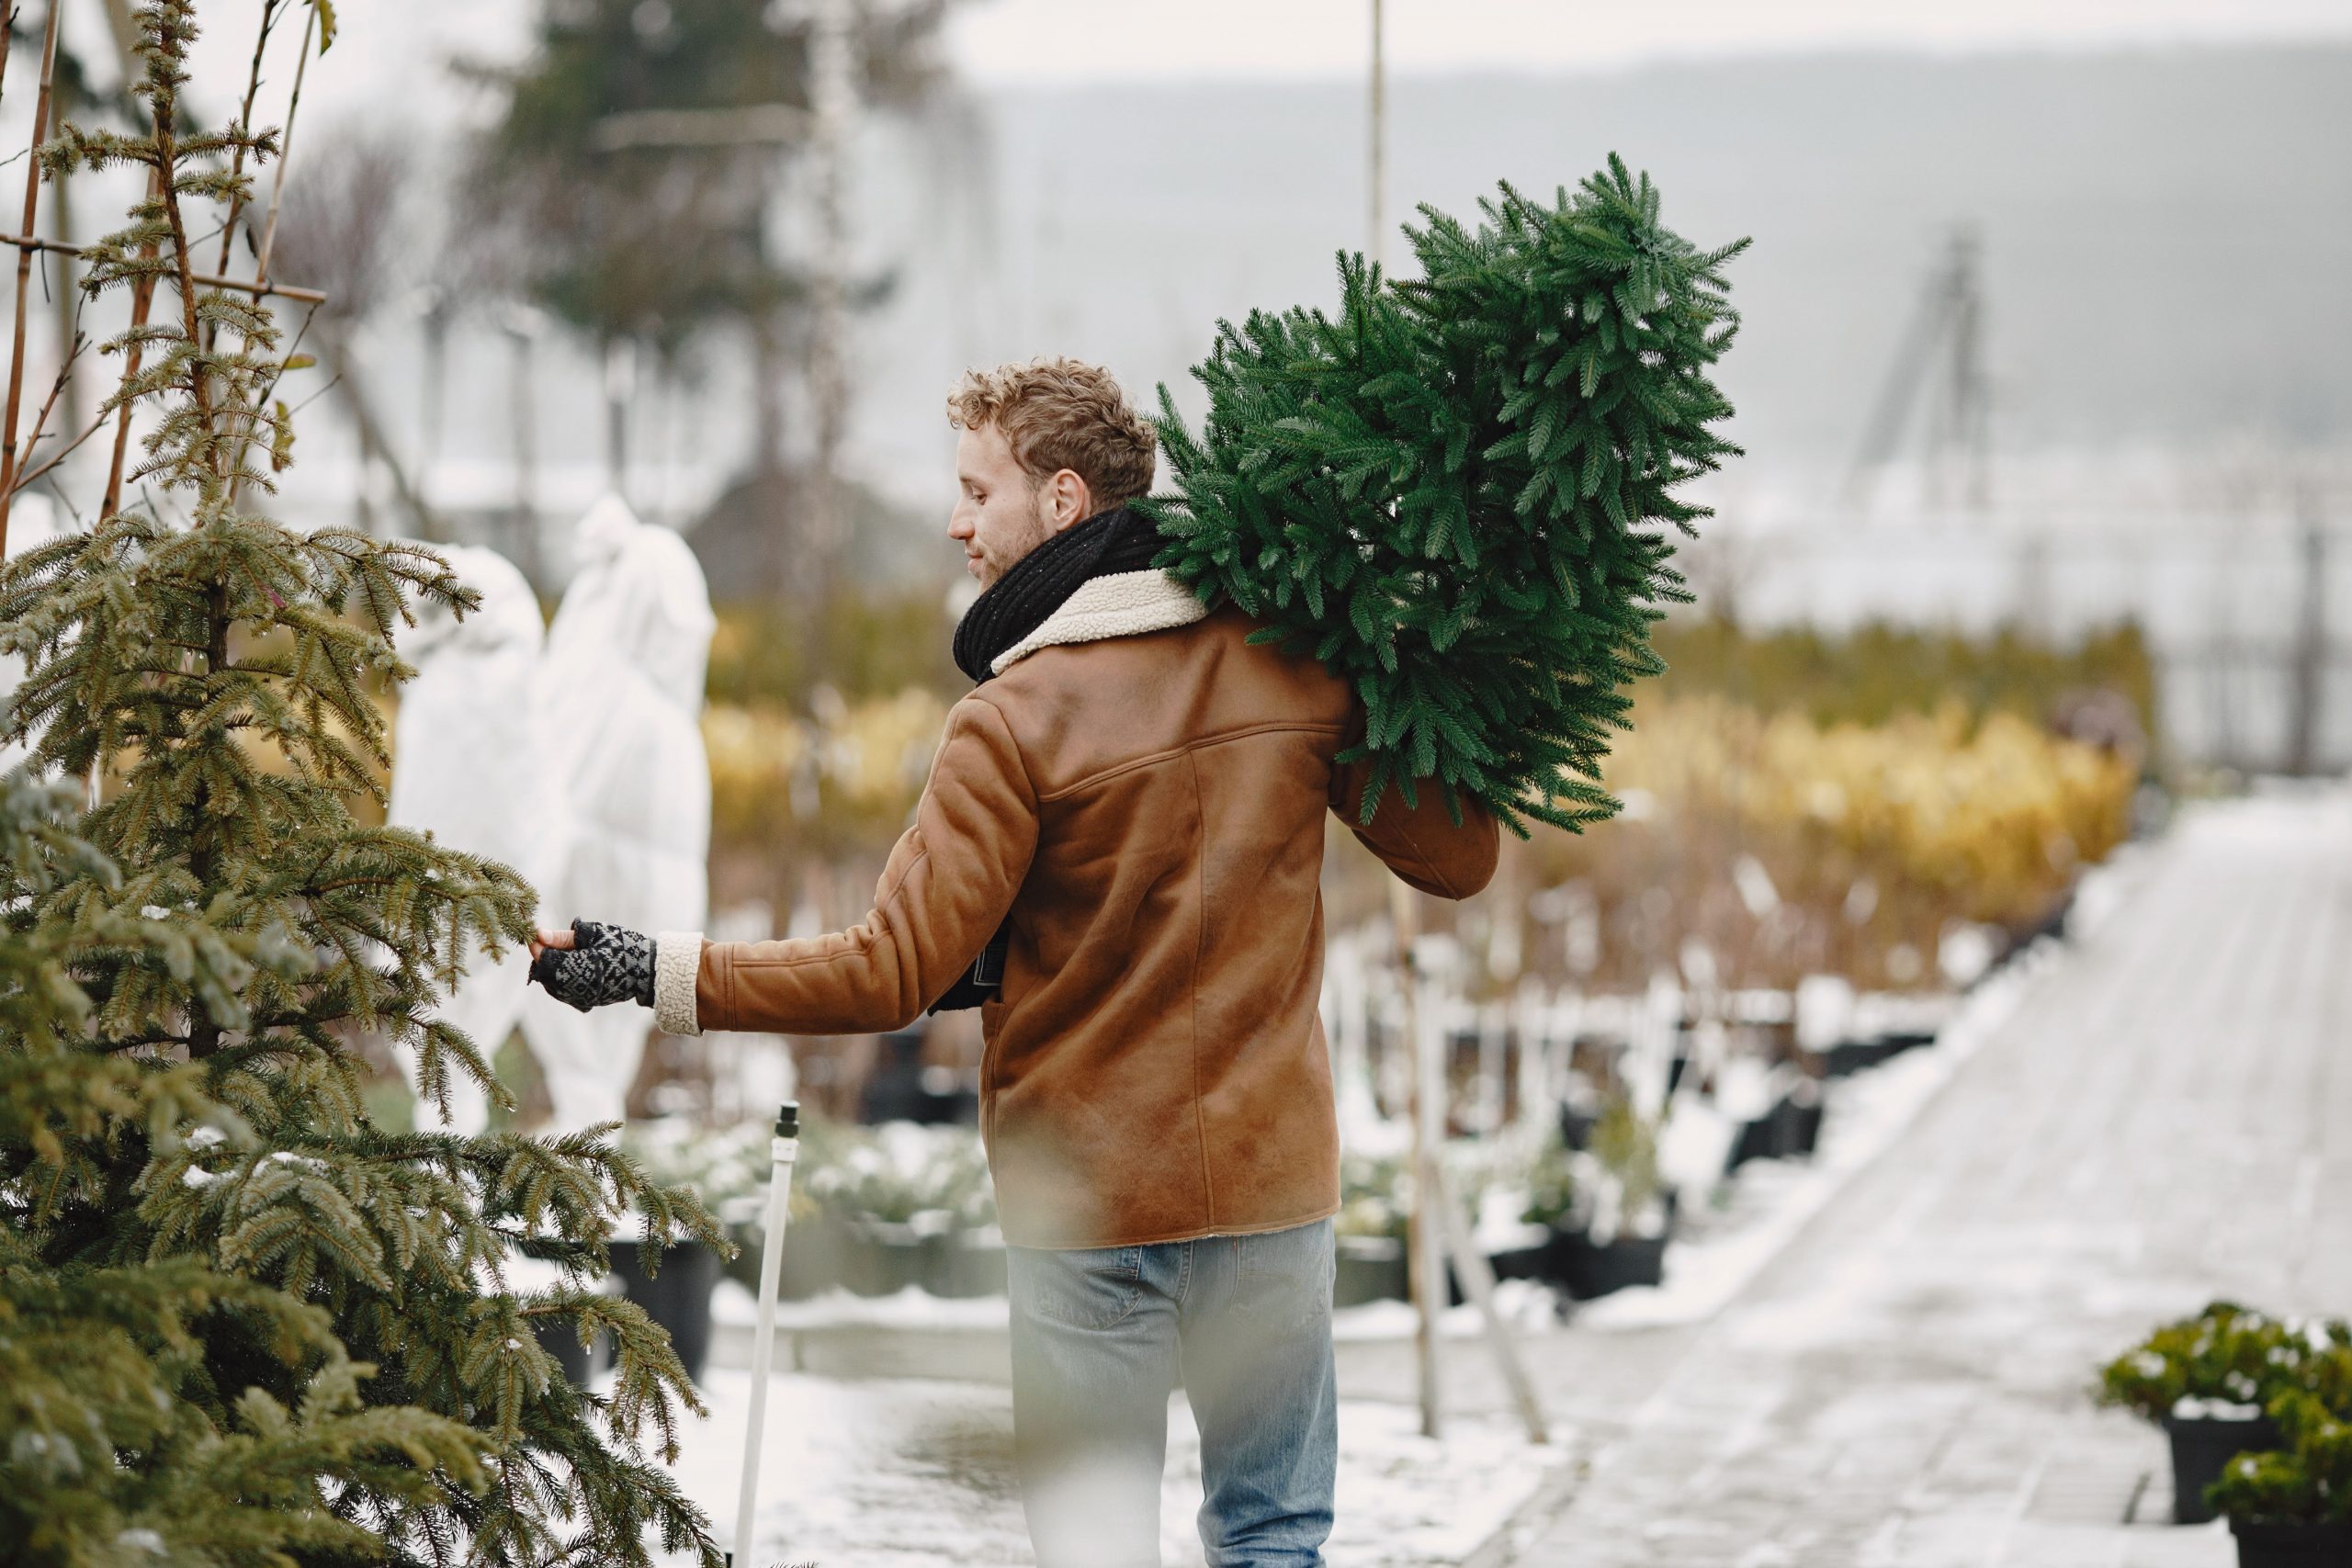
column 240, row 1322
column 1458, row 494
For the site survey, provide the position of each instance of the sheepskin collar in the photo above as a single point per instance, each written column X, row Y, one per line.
column 1125, row 603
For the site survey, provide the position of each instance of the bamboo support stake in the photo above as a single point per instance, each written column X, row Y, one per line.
column 245, row 124
column 1478, row 1284
column 142, row 298
column 8, row 455
column 285, row 150
column 1424, row 1269
column 1436, row 1225
column 7, row 31
column 29, row 243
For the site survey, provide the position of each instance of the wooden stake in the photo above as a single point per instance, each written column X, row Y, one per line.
column 253, row 286
column 142, row 297
column 1424, row 1265
column 245, row 124
column 285, row 148
column 8, row 455
column 1478, row 1284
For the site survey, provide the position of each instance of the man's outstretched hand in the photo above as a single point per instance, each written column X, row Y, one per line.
column 593, row 964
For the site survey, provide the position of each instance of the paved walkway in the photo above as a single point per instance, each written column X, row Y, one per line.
column 2167, row 1117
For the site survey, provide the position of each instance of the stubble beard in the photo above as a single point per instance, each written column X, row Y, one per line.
column 993, row 567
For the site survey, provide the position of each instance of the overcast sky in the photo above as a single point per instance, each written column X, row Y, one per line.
column 1008, row 42
column 393, row 55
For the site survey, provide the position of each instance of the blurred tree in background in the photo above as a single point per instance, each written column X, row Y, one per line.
column 640, row 152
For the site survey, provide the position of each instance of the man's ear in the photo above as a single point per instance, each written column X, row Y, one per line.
column 1067, row 501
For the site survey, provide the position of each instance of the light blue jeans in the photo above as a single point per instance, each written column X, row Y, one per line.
column 1100, row 1338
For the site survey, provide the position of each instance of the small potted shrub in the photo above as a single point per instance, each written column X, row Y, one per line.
column 1631, row 1216
column 1555, row 1202
column 2205, row 1381
column 899, row 1196
column 1370, row 1230
column 2291, row 1506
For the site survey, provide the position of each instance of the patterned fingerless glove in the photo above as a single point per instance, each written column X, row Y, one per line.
column 605, row 964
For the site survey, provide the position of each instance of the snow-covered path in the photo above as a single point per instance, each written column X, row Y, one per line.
column 882, row 1473
column 2166, row 1117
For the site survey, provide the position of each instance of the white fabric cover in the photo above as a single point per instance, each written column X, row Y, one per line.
column 620, row 699
column 470, row 768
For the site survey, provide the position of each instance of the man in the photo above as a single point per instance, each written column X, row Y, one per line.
column 1135, row 794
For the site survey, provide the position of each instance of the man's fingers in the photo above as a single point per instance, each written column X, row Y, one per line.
column 554, row 939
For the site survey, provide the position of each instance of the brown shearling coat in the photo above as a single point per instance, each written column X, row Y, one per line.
column 1142, row 792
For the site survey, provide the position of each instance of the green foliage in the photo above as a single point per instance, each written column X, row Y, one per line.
column 1375, row 1194
column 898, row 1171
column 2308, row 1481
column 1627, row 1148
column 120, row 1431
column 1457, row 493
column 866, row 644
column 1872, row 674
column 1551, row 1183
column 2232, row 1354
column 246, row 1324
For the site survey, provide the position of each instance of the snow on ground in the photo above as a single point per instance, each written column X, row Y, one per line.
column 891, row 1473
column 912, row 1307
column 1713, row 1256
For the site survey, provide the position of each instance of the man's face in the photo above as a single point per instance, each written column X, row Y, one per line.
column 999, row 515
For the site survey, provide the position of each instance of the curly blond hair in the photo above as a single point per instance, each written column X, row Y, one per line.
column 1060, row 414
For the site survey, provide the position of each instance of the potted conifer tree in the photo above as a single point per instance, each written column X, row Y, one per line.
column 1631, row 1216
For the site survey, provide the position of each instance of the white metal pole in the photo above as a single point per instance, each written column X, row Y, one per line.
column 783, row 1149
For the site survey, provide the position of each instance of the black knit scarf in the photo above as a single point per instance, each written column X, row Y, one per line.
column 1018, row 602
column 1014, row 605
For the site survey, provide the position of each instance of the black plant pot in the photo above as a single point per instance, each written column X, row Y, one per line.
column 677, row 1297
column 1559, row 1255
column 1592, row 1271
column 2201, row 1445
column 1521, row 1262
column 961, row 1265
column 1851, row 1057
column 561, row 1341
column 2271, row 1543
column 1796, row 1127
column 1756, row 1141
column 1371, row 1268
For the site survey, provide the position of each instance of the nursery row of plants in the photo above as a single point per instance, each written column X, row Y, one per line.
column 1576, row 1197
column 2257, row 1410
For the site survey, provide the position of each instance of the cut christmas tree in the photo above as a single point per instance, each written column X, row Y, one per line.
column 1459, row 492
column 240, row 1322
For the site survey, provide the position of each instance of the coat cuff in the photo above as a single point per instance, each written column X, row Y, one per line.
column 678, row 962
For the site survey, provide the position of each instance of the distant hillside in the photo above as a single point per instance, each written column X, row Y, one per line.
column 2167, row 235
